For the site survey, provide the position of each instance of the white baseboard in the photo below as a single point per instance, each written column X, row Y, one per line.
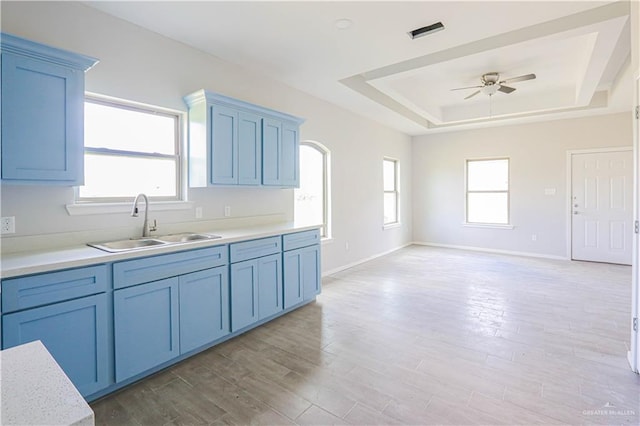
column 489, row 250
column 367, row 259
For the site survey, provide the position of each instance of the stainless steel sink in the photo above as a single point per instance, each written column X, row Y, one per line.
column 141, row 243
column 126, row 245
column 186, row 237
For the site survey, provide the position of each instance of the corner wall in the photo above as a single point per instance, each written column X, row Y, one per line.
column 538, row 154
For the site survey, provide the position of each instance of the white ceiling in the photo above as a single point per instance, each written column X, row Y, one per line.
column 579, row 51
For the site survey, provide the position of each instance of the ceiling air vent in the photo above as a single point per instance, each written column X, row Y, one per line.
column 420, row 32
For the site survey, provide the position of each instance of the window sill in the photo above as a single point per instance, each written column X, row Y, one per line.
column 487, row 225
column 83, row 209
column 391, row 226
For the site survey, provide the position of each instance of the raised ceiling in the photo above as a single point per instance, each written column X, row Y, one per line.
column 578, row 50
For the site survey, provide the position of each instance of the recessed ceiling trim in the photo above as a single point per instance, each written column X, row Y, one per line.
column 599, row 100
column 358, row 84
column 593, row 19
column 598, row 59
column 571, row 22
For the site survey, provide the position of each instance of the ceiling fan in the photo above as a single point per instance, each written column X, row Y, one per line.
column 491, row 84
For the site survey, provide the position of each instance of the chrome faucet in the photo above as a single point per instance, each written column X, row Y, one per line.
column 134, row 213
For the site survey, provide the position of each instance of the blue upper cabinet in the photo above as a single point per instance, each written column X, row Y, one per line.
column 232, row 142
column 249, row 149
column 42, row 113
column 224, row 152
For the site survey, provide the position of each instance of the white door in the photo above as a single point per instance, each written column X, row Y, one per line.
column 602, row 206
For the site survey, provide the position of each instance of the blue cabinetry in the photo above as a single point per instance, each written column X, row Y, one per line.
column 42, row 113
column 75, row 329
column 235, row 147
column 232, row 142
column 280, row 162
column 168, row 305
column 145, row 326
column 256, row 281
column 110, row 324
column 301, row 264
column 204, row 307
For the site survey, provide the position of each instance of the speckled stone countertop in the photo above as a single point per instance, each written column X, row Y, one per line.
column 35, row 391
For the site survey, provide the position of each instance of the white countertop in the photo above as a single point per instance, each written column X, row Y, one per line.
column 32, row 262
column 35, row 391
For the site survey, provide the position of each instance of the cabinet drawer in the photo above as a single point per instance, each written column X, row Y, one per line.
column 255, row 248
column 300, row 239
column 132, row 272
column 44, row 289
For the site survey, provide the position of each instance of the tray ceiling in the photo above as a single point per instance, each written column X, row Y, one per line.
column 578, row 50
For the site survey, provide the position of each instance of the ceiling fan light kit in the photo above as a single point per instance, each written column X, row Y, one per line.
column 491, row 84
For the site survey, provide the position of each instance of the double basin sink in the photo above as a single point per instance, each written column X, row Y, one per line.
column 146, row 242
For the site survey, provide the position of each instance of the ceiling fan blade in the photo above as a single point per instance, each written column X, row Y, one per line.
column 470, row 87
column 506, row 89
column 519, row 78
column 472, row 95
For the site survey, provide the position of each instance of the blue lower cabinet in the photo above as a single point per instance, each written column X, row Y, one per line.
column 76, row 334
column 204, row 307
column 256, row 290
column 301, row 275
column 145, row 326
column 269, row 285
column 244, row 294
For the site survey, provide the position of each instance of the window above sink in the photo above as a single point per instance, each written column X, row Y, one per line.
column 129, row 149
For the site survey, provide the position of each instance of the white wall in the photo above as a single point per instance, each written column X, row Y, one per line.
column 143, row 66
column 538, row 155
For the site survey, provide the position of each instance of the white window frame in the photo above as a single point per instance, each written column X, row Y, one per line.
column 396, row 191
column 177, row 156
column 325, row 230
column 507, row 191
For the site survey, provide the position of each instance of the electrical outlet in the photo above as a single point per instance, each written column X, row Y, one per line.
column 534, row 237
column 198, row 212
column 227, row 211
column 8, row 225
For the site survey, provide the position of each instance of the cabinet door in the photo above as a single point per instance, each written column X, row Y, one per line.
column 311, row 279
column 249, row 149
column 269, row 285
column 290, row 157
column 74, row 332
column 244, row 294
column 224, row 145
column 145, row 326
column 301, row 275
column 271, row 146
column 293, row 292
column 42, row 116
column 204, row 307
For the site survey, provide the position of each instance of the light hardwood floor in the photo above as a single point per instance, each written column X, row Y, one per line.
column 422, row 336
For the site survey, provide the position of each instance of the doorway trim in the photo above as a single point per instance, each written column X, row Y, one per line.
column 633, row 355
column 569, row 168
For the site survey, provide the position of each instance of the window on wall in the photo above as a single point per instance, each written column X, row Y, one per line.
column 312, row 201
column 391, row 194
column 130, row 150
column 488, row 191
